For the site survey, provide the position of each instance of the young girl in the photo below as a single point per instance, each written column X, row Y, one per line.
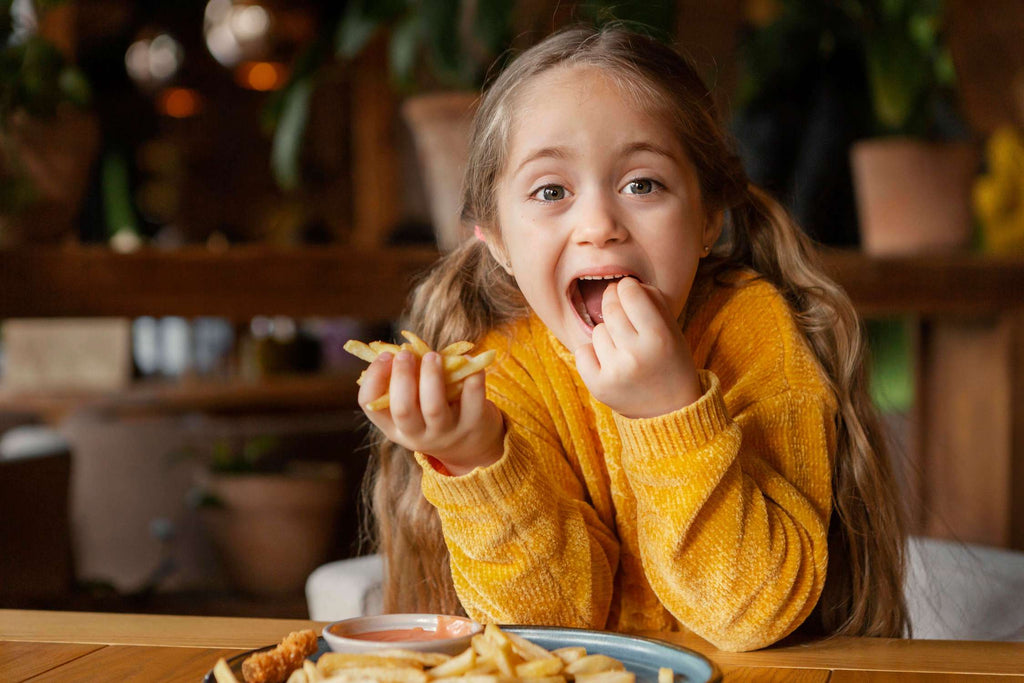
column 676, row 432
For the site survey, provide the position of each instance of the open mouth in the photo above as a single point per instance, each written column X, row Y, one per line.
column 587, row 294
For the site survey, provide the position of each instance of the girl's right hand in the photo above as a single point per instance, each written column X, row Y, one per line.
column 463, row 435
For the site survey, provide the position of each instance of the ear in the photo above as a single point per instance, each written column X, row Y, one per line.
column 497, row 249
column 712, row 228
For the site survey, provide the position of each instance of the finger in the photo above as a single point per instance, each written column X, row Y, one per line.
column 615, row 319
column 644, row 306
column 473, row 399
column 433, row 401
column 404, row 391
column 375, row 379
column 587, row 363
column 603, row 344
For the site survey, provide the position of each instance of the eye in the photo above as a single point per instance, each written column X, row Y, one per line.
column 549, row 193
column 641, row 186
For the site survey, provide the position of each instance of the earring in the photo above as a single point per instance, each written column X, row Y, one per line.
column 707, row 249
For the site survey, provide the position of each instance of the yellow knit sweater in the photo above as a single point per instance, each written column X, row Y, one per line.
column 712, row 518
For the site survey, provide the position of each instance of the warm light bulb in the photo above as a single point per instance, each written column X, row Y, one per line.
column 179, row 103
column 261, row 76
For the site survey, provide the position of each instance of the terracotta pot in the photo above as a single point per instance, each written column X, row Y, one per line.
column 274, row 530
column 440, row 125
column 913, row 197
column 56, row 155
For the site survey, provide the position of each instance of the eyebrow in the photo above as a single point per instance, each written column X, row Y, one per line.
column 626, row 150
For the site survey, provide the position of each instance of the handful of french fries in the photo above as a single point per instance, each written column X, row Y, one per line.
column 494, row 656
column 455, row 360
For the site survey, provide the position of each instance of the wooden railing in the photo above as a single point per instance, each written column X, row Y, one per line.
column 373, row 283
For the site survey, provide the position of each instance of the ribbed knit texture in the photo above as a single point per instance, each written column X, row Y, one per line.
column 712, row 518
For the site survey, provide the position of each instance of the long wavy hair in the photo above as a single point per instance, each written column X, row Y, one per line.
column 467, row 294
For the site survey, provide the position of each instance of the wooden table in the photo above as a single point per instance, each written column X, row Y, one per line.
column 76, row 646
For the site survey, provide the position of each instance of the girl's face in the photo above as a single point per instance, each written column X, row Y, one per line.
column 594, row 189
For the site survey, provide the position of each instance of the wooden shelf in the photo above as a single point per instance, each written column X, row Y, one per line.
column 372, row 284
column 938, row 284
column 277, row 394
column 238, row 283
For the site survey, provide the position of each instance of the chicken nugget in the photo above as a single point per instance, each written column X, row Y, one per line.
column 274, row 666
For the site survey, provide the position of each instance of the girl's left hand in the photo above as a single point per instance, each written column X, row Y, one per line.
column 638, row 362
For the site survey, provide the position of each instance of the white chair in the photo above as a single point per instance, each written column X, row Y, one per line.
column 345, row 589
column 954, row 591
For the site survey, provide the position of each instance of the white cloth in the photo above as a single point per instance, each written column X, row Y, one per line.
column 31, row 441
column 959, row 591
column 345, row 589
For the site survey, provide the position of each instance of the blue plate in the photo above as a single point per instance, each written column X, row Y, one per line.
column 642, row 656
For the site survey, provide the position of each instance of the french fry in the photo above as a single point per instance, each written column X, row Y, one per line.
column 570, row 654
column 333, row 662
column 380, row 674
column 458, row 348
column 490, row 649
column 423, row 659
column 380, row 403
column 312, row 674
column 419, row 347
column 607, row 677
column 455, row 363
column 222, row 672
column 456, row 666
column 540, row 668
column 475, row 364
column 485, row 666
column 666, row 675
column 470, row 679
column 384, row 347
column 298, row 676
column 360, row 350
column 527, row 650
column 594, row 664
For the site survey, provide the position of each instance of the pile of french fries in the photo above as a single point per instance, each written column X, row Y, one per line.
column 456, row 362
column 494, row 656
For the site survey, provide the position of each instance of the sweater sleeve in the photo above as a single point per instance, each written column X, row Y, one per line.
column 526, row 546
column 733, row 511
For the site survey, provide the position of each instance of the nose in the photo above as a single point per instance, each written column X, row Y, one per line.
column 597, row 223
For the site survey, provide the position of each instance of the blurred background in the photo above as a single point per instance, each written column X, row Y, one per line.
column 201, row 201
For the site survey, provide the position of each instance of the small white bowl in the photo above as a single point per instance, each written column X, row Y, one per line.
column 340, row 635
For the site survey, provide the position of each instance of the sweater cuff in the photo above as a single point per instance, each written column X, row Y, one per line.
column 482, row 486
column 691, row 427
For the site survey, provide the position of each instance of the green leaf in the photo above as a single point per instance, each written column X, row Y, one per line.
column 441, row 27
column 355, row 29
column 44, row 6
column 492, row 24
column 403, row 49
column 657, row 17
column 118, row 210
column 6, row 22
column 291, row 128
column 75, row 86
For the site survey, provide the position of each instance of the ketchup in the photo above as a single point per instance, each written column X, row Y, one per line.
column 447, row 627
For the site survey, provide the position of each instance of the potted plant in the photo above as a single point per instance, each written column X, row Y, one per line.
column 48, row 138
column 272, row 518
column 913, row 179
column 439, row 54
